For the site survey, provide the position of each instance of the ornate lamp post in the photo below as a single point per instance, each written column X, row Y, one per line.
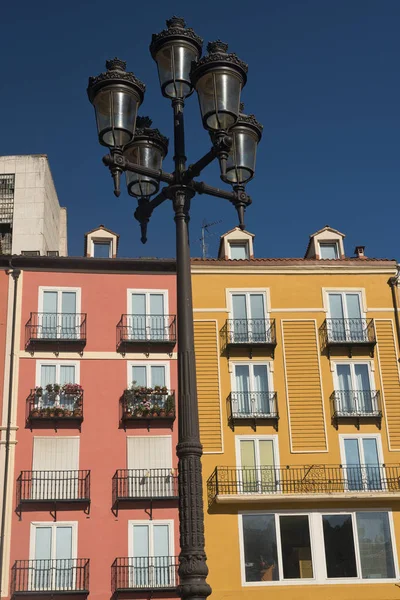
column 116, row 95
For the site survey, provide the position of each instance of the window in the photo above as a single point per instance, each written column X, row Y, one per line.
column 257, row 459
column 248, row 318
column 361, row 457
column 239, row 250
column 150, row 471
column 149, row 375
column 50, row 378
column 328, row 250
column 58, row 318
column 147, row 317
column 151, row 554
column 354, row 390
column 317, row 547
column 346, row 323
column 55, row 468
column 252, row 390
column 53, row 550
column 102, row 249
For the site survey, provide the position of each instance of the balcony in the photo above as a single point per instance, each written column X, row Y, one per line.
column 60, row 330
column 151, row 574
column 356, row 406
column 348, row 333
column 156, row 331
column 249, row 333
column 34, row 487
column 50, row 577
column 133, row 485
column 303, row 483
column 253, row 407
column 56, row 404
column 147, row 405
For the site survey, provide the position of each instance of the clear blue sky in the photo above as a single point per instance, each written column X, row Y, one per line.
column 323, row 79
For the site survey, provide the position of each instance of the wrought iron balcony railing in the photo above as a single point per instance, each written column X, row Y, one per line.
column 65, row 328
column 291, row 481
column 53, row 486
column 250, row 332
column 146, row 329
column 55, row 403
column 356, row 403
column 345, row 332
column 58, row 576
column 140, row 403
column 144, row 484
column 253, row 405
column 151, row 573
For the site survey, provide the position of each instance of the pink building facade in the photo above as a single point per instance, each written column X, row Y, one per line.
column 94, row 503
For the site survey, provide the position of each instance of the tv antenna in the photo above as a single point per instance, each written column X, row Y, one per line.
column 205, row 231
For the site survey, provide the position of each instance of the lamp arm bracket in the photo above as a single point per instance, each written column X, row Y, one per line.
column 118, row 160
column 195, row 169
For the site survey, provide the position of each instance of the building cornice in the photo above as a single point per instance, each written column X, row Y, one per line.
column 88, row 264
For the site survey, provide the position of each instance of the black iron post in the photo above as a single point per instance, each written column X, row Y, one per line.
column 178, row 81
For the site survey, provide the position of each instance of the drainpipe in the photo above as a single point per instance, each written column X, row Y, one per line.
column 394, row 282
column 15, row 273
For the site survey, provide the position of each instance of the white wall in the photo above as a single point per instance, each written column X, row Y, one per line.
column 39, row 222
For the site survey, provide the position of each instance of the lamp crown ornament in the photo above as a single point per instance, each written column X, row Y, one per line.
column 176, row 30
column 116, row 74
column 175, row 22
column 115, row 64
column 217, row 47
column 144, row 122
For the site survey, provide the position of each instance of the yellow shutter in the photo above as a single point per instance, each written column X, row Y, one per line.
column 208, row 392
column 389, row 379
column 303, row 386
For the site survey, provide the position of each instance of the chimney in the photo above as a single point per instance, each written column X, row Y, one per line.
column 359, row 252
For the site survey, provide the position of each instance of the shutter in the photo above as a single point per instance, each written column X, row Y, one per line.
column 149, row 452
column 55, row 454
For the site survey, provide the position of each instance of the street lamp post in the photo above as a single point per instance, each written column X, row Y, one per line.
column 116, row 95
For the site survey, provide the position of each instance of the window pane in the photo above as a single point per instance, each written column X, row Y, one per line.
column 328, row 250
column 43, row 543
column 67, row 374
column 296, row 547
column 139, row 375
column 339, row 546
column 101, row 249
column 260, row 551
column 239, row 251
column 63, row 542
column 353, row 472
column 157, row 375
column 375, row 544
column 50, row 302
column 140, row 540
column 353, row 306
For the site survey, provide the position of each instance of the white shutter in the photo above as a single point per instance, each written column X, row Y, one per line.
column 149, row 452
column 55, row 454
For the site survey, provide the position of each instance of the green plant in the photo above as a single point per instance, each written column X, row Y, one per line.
column 170, row 404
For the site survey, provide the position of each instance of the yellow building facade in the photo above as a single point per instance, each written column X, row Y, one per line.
column 299, row 401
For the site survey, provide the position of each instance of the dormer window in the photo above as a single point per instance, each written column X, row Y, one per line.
column 328, row 250
column 102, row 248
column 101, row 243
column 239, row 250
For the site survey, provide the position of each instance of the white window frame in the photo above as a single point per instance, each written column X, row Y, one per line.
column 360, row 436
column 268, row 363
column 148, row 364
column 257, row 438
column 247, row 291
column 53, row 524
column 329, row 243
column 318, row 548
column 169, row 522
column 57, row 364
column 241, row 243
column 57, row 288
column 360, row 291
column 335, row 364
column 147, row 292
column 102, row 241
